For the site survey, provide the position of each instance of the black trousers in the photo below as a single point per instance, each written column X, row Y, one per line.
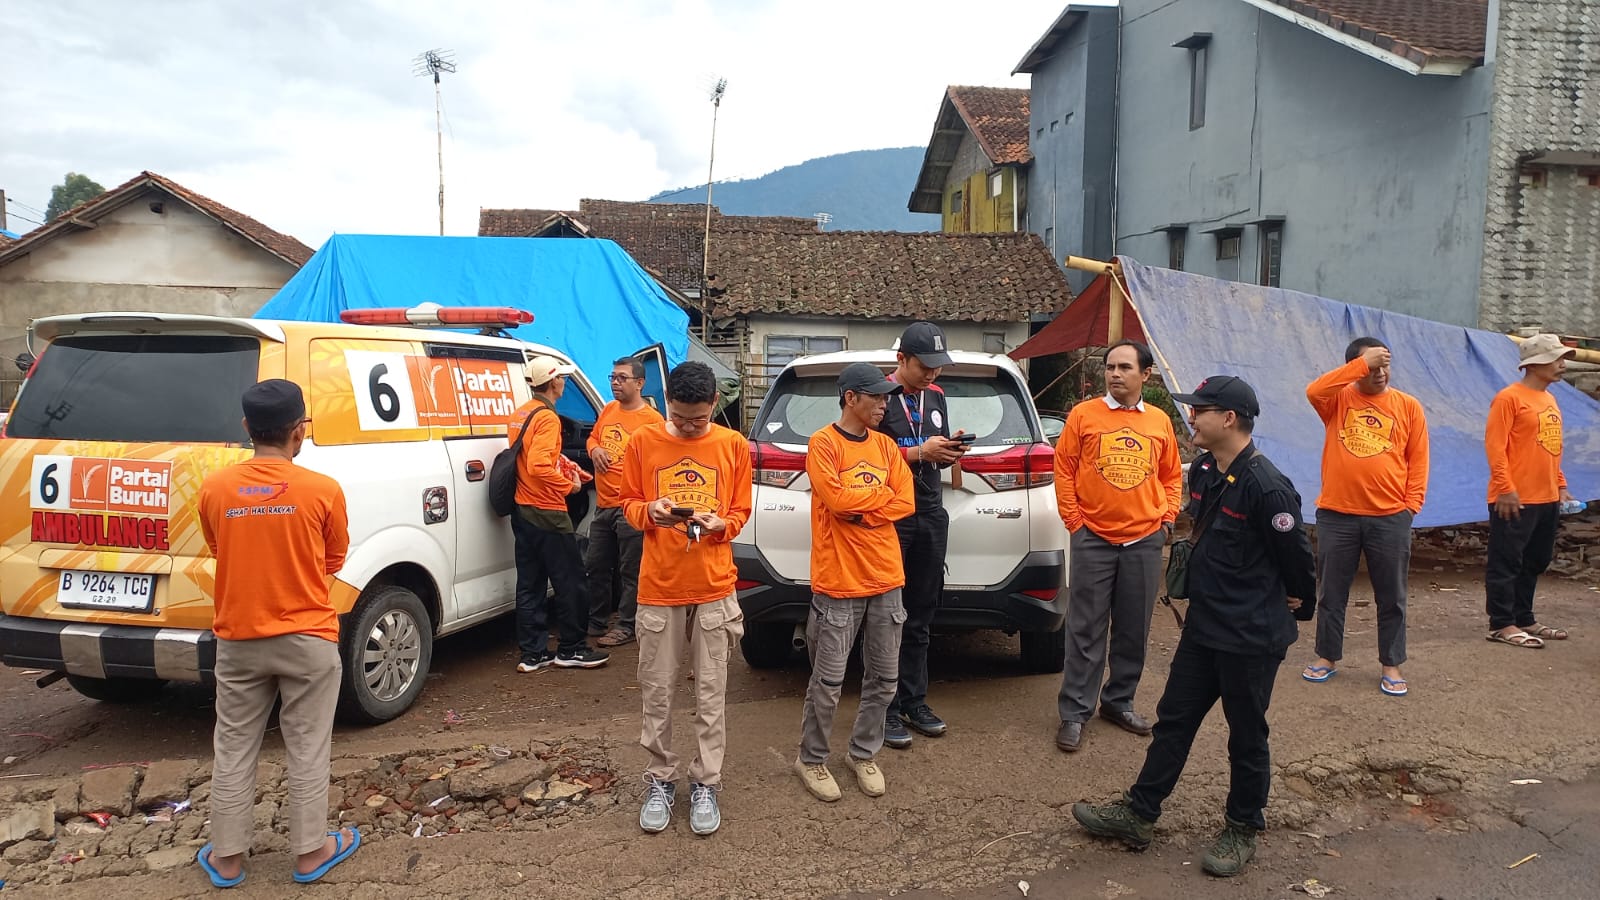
column 545, row 559
column 1201, row 676
column 1519, row 552
column 923, row 538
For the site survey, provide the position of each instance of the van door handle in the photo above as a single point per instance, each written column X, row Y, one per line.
column 475, row 470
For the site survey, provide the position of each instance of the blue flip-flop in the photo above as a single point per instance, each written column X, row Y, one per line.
column 204, row 859
column 1394, row 687
column 1318, row 674
column 340, row 854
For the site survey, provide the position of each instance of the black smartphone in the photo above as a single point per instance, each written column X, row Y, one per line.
column 965, row 438
column 683, row 512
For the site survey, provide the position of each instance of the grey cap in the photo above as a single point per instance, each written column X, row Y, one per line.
column 865, row 378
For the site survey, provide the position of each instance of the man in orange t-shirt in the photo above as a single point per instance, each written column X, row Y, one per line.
column 686, row 485
column 860, row 486
column 546, row 544
column 1119, row 486
column 1526, row 488
column 615, row 547
column 279, row 533
column 1374, row 479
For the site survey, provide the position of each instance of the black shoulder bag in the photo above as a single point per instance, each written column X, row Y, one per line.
column 503, row 472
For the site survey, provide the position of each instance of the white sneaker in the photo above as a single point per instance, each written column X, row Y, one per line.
column 869, row 776
column 656, row 814
column 819, row 781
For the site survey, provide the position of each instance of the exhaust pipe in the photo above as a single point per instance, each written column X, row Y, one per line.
column 799, row 639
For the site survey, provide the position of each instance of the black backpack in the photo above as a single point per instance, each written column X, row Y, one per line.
column 503, row 472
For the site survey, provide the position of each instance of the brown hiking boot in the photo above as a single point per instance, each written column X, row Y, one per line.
column 1115, row 820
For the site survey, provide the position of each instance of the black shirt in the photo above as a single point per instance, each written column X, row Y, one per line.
column 911, row 418
column 1250, row 559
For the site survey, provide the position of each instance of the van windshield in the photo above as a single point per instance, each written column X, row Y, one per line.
column 138, row 387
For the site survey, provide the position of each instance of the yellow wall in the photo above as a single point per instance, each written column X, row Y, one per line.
column 980, row 212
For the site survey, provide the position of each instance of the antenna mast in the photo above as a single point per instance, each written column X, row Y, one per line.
column 717, row 91
column 432, row 62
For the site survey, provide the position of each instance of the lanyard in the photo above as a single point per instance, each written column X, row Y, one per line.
column 913, row 423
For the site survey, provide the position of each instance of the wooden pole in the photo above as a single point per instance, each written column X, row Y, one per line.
column 1112, row 271
column 1582, row 355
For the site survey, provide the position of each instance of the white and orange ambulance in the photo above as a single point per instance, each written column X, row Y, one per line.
column 104, row 575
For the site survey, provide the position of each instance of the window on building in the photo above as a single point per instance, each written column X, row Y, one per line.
column 1050, row 239
column 994, row 342
column 1228, row 243
column 997, row 181
column 1054, row 124
column 1271, row 253
column 1176, row 239
column 1533, row 177
column 955, row 202
column 1040, row 132
column 1198, row 45
column 785, row 348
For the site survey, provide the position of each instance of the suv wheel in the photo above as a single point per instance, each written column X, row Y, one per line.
column 387, row 647
column 1044, row 652
column 116, row 690
column 767, row 645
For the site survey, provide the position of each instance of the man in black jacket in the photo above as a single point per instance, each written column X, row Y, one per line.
column 1251, row 575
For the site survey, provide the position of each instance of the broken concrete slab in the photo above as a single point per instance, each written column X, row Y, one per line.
column 167, row 781
column 29, row 822
column 499, row 780
column 170, row 858
column 108, row 790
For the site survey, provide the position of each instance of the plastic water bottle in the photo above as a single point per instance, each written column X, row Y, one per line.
column 1568, row 507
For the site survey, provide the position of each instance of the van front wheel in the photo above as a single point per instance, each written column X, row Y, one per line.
column 387, row 646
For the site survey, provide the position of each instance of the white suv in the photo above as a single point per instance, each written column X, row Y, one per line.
column 1007, row 560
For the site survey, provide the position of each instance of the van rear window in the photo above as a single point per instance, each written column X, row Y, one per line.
column 136, row 387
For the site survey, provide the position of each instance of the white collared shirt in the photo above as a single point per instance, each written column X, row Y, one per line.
column 1111, row 403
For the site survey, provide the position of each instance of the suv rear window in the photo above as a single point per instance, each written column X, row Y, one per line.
column 137, row 387
column 992, row 408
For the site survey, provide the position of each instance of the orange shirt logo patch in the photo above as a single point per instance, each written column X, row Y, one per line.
column 688, row 483
column 614, row 440
column 1367, row 432
column 1550, row 431
column 863, row 476
column 1126, row 458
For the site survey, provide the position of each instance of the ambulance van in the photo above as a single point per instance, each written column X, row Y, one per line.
column 105, row 578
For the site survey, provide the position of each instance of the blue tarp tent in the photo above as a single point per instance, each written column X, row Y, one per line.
column 1280, row 340
column 588, row 297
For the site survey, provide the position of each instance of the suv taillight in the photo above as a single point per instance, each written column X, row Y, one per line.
column 1015, row 468
column 774, row 466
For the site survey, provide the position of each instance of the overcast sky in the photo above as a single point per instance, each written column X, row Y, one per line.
column 306, row 115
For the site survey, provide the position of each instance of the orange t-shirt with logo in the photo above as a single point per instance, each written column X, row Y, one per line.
column 279, row 532
column 710, row 473
column 1523, row 441
column 612, row 430
column 859, row 488
column 1118, row 472
column 1375, row 455
column 541, row 482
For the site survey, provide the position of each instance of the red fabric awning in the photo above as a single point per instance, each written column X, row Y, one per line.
column 1083, row 323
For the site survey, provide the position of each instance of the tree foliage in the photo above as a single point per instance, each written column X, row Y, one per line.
column 74, row 189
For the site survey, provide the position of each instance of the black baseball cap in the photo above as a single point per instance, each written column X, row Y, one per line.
column 1224, row 392
column 273, row 404
column 865, row 378
column 926, row 342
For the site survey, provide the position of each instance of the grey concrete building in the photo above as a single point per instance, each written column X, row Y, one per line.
column 1437, row 157
column 1072, row 133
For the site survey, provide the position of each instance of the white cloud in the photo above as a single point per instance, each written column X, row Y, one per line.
column 306, row 115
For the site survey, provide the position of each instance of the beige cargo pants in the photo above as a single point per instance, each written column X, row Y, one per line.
column 709, row 631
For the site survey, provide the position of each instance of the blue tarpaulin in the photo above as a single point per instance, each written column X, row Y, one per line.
column 589, row 298
column 1279, row 341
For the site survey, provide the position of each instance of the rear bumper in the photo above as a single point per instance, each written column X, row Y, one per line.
column 107, row 651
column 1002, row 606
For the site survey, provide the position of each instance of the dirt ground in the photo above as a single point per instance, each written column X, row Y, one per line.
column 1374, row 796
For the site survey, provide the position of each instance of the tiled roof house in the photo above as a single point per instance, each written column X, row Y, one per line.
column 974, row 170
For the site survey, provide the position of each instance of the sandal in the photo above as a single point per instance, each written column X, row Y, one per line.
column 1394, row 687
column 1318, row 674
column 204, row 859
column 1517, row 639
column 1546, row 632
column 341, row 852
column 616, row 637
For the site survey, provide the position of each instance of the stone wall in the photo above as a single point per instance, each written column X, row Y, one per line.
column 1541, row 264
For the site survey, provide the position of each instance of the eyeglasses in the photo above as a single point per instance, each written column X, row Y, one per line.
column 617, row 379
column 1197, row 410
column 689, row 420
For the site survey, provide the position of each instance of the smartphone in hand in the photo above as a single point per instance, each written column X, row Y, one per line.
column 683, row 512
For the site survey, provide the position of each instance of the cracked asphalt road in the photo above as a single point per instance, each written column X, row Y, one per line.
column 971, row 814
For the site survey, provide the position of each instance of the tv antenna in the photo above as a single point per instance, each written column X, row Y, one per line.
column 717, row 90
column 432, row 62
column 823, row 218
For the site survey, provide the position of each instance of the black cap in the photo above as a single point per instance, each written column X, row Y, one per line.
column 865, row 378
column 926, row 342
column 1224, row 392
column 273, row 404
